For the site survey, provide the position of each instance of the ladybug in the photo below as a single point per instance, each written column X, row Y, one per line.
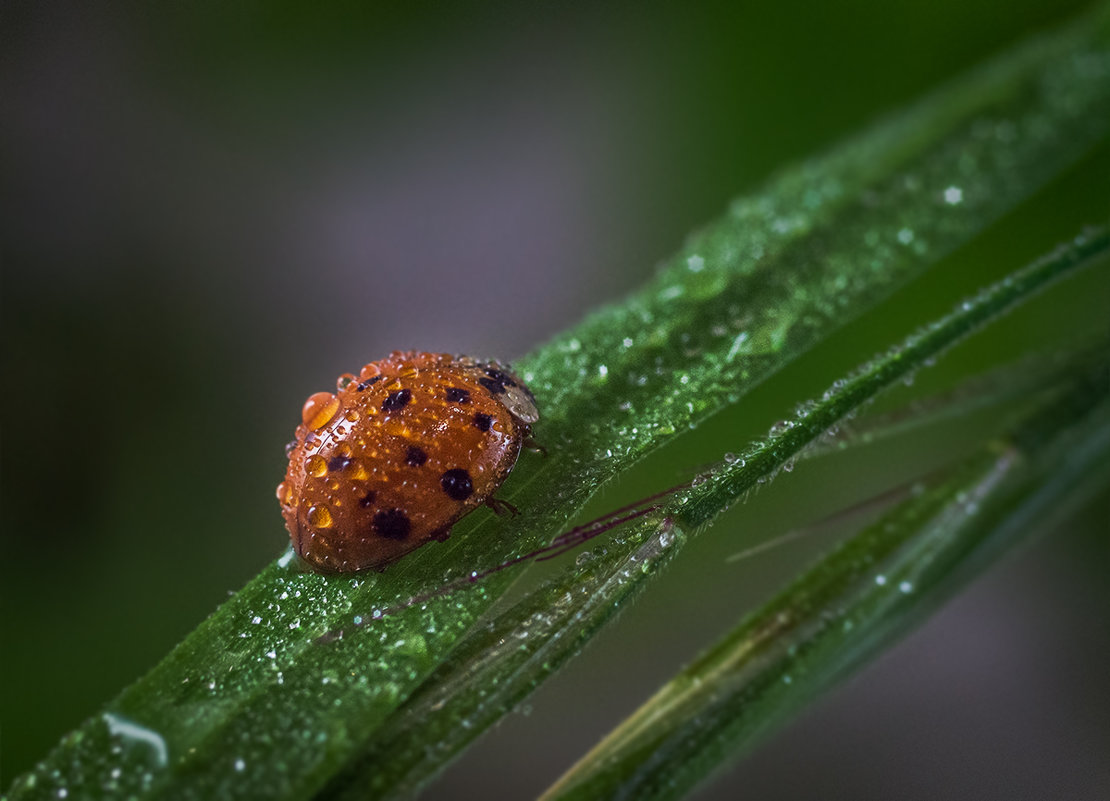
column 398, row 454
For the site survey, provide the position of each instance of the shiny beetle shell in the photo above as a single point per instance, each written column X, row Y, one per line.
column 398, row 454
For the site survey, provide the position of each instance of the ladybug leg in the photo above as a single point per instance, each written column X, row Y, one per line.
column 534, row 446
column 501, row 507
column 441, row 535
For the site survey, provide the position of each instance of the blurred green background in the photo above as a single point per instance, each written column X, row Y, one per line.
column 210, row 212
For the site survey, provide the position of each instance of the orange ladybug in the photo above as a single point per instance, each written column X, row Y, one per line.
column 398, row 454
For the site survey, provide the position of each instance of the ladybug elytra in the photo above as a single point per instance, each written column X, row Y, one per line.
column 398, row 454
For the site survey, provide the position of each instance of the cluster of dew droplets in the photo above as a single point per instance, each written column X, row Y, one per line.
column 109, row 752
column 662, row 378
column 840, row 431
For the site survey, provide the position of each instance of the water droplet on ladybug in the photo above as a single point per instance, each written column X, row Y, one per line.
column 319, row 516
column 319, row 409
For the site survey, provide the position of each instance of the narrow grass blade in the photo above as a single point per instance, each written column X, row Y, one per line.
column 1027, row 378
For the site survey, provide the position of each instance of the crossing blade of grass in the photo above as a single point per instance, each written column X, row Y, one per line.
column 496, row 666
column 252, row 705
column 1024, row 379
column 852, row 604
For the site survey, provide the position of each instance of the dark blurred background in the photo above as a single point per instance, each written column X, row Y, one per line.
column 209, row 212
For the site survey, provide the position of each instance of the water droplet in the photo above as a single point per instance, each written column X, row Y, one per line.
column 780, row 428
column 880, row 580
column 240, row 765
column 131, row 732
column 695, row 264
column 315, row 466
column 319, row 409
column 953, row 195
column 319, row 517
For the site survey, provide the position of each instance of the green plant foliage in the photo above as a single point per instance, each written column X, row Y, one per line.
column 498, row 665
column 851, row 604
column 253, row 703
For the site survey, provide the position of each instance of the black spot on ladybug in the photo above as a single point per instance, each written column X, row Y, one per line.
column 415, row 456
column 500, row 377
column 482, row 422
column 455, row 395
column 396, row 400
column 457, row 484
column 365, row 385
column 367, row 500
column 494, row 387
column 338, row 463
column 393, row 524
